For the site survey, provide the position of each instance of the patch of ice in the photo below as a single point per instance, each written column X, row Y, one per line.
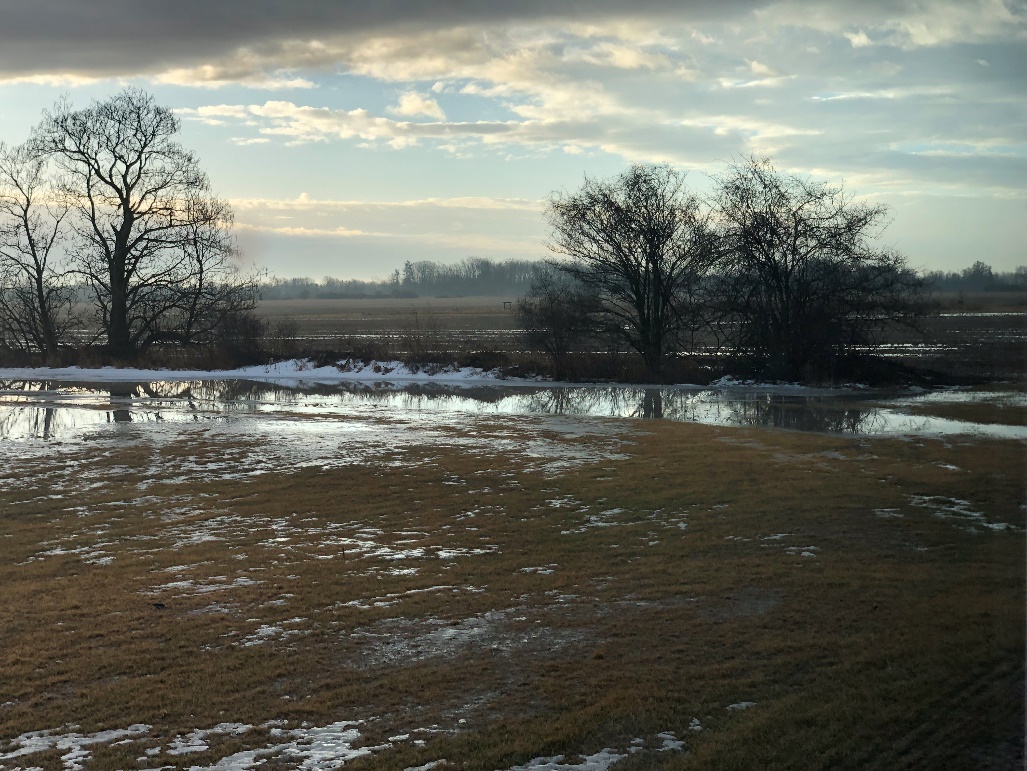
column 600, row 761
column 562, row 502
column 802, row 551
column 670, row 742
column 544, row 570
column 695, row 725
column 326, row 747
column 76, row 756
column 197, row 741
column 267, row 633
column 955, row 508
column 741, row 705
column 214, row 584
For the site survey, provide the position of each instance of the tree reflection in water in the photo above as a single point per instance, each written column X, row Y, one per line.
column 49, row 410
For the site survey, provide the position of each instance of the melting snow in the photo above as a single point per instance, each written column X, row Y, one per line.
column 74, row 743
column 741, row 705
column 600, row 761
column 954, row 508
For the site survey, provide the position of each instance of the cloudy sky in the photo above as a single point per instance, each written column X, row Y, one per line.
column 351, row 136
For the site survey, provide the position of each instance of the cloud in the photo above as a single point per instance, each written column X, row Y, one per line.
column 305, row 202
column 292, row 230
column 891, row 93
column 52, row 79
column 907, row 24
column 119, row 37
column 412, row 104
column 858, row 39
column 888, row 93
column 623, row 57
column 499, row 227
column 210, row 76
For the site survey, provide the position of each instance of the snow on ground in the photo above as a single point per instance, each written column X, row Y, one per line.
column 75, row 744
column 600, row 761
column 960, row 510
column 306, row 748
column 353, row 371
column 291, row 371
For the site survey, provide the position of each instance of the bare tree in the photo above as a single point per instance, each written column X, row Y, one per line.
column 36, row 297
column 803, row 278
column 557, row 315
column 150, row 239
column 641, row 243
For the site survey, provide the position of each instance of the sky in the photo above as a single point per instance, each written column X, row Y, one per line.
column 350, row 137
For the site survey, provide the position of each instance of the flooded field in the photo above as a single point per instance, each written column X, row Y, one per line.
column 982, row 334
column 66, row 411
column 233, row 574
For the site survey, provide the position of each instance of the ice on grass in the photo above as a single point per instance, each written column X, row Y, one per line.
column 600, row 761
column 943, row 507
column 75, row 744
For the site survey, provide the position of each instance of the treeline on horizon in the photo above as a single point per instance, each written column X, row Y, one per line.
column 472, row 276
column 480, row 276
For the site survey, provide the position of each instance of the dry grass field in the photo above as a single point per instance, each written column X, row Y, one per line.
column 326, row 319
column 675, row 595
column 971, row 335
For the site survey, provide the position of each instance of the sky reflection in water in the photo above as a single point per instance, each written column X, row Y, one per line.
column 70, row 411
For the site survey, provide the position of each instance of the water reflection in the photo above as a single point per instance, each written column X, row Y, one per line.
column 63, row 410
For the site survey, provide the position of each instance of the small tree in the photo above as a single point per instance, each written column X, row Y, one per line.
column 640, row 243
column 802, row 277
column 36, row 298
column 150, row 240
column 557, row 315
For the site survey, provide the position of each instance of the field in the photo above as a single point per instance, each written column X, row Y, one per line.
column 970, row 335
column 399, row 591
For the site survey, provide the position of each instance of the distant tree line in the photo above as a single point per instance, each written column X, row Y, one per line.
column 979, row 277
column 472, row 276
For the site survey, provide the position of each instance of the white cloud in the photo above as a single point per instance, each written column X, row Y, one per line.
column 412, row 104
column 619, row 56
column 858, row 39
column 294, row 230
column 305, row 202
column 760, row 69
column 212, row 76
column 888, row 93
column 52, row 79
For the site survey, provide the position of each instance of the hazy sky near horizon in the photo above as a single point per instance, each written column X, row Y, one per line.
column 351, row 137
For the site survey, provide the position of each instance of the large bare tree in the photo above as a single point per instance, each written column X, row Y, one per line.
column 641, row 242
column 36, row 297
column 804, row 278
column 150, row 239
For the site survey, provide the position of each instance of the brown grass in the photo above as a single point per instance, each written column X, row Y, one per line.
column 900, row 644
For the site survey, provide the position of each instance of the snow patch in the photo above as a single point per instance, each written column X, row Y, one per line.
column 75, row 744
column 600, row 761
column 740, row 705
